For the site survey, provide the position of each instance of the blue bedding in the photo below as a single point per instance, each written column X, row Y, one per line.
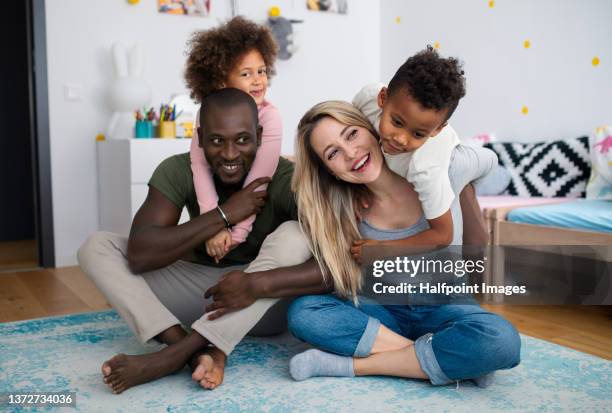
column 581, row 214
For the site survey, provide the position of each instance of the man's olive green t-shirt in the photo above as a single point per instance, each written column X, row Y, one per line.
column 173, row 178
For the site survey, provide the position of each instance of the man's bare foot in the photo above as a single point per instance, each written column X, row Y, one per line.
column 208, row 367
column 122, row 371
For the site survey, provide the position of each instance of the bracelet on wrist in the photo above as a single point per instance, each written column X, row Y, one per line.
column 223, row 217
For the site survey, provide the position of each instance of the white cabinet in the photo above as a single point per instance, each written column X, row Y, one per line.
column 124, row 169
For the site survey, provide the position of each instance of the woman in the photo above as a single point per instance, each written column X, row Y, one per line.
column 340, row 168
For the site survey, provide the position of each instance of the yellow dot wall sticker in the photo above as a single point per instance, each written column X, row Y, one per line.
column 398, row 20
column 526, row 44
column 436, row 45
column 491, row 3
column 274, row 11
column 525, row 110
column 595, row 61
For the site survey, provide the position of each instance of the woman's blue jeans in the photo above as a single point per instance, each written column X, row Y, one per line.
column 452, row 342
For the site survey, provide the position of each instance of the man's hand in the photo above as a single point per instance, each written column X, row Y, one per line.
column 233, row 292
column 358, row 244
column 219, row 245
column 246, row 202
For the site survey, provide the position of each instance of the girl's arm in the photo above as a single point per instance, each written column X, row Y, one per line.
column 265, row 162
column 206, row 192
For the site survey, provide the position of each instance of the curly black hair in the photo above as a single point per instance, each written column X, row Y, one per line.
column 434, row 82
column 211, row 54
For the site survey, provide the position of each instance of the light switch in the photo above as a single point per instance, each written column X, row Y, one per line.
column 73, row 92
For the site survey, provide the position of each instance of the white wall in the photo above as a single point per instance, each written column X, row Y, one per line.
column 337, row 55
column 565, row 94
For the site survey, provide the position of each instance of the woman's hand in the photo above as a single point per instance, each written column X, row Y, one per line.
column 219, row 245
column 358, row 244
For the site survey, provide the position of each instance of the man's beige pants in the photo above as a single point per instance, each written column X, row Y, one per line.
column 157, row 300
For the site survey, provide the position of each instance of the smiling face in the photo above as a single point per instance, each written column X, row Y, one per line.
column 230, row 138
column 351, row 153
column 250, row 75
column 405, row 125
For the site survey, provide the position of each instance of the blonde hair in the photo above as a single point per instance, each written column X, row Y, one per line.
column 327, row 206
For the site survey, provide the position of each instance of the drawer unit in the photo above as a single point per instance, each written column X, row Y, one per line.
column 124, row 169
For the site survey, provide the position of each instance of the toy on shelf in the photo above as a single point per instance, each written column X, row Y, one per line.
column 127, row 91
column 282, row 30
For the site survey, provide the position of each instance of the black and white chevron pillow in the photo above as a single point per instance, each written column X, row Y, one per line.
column 549, row 169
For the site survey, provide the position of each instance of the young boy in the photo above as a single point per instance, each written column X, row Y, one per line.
column 411, row 116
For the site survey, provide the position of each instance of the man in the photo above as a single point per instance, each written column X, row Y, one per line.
column 170, row 291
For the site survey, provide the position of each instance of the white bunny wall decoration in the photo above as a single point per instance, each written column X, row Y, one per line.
column 128, row 91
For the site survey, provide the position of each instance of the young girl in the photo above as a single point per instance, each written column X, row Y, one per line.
column 238, row 54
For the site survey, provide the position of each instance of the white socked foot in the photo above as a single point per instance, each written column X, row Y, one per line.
column 317, row 363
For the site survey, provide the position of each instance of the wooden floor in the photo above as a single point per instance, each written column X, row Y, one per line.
column 18, row 255
column 584, row 328
column 42, row 293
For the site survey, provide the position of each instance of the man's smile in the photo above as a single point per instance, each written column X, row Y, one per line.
column 231, row 168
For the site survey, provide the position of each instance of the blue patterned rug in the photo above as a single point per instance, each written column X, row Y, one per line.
column 61, row 353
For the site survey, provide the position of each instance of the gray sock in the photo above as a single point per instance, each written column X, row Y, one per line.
column 317, row 363
column 484, row 381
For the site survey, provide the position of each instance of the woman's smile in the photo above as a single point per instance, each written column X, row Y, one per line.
column 361, row 164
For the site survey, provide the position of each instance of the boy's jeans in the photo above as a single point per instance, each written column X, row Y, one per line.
column 452, row 342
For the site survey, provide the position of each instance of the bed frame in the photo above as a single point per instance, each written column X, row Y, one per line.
column 506, row 233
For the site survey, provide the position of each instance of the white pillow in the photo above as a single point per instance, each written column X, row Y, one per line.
column 600, row 149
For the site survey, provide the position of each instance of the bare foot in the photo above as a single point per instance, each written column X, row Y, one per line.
column 208, row 367
column 122, row 371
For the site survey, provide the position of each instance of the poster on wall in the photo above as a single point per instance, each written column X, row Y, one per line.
column 332, row 6
column 184, row 7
